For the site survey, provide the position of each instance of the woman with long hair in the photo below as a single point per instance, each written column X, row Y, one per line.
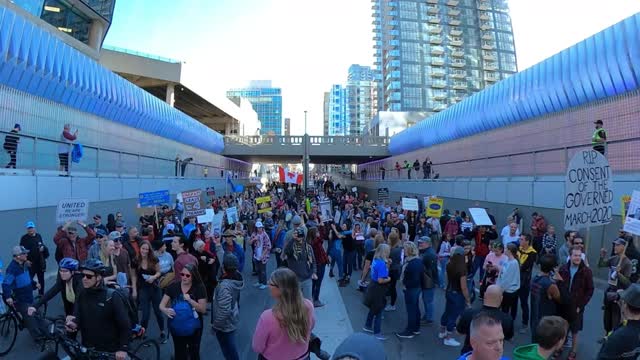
column 68, row 285
column 149, row 293
column 444, row 253
column 317, row 241
column 412, row 272
column 368, row 260
column 283, row 331
column 375, row 297
column 184, row 302
column 395, row 269
column 111, row 222
column 457, row 296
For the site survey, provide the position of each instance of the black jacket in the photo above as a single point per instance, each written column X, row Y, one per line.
column 102, row 320
column 59, row 287
column 37, row 258
column 11, row 141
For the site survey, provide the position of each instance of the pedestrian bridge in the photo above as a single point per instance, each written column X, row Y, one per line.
column 320, row 149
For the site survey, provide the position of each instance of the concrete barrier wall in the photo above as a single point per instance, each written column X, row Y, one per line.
column 35, row 198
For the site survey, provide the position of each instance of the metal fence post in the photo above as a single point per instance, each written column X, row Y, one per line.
column 138, row 167
column 97, row 162
column 34, row 157
column 119, row 163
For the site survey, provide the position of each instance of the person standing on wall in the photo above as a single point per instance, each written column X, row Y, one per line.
column 11, row 145
column 66, row 139
column 599, row 138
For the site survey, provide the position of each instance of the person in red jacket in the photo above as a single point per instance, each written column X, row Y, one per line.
column 70, row 245
column 578, row 279
column 482, row 235
column 538, row 229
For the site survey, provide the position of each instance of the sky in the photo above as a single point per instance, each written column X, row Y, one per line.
column 305, row 46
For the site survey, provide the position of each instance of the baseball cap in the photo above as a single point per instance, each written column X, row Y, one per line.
column 620, row 241
column 101, row 233
column 115, row 236
column 458, row 250
column 97, row 216
column 230, row 262
column 296, row 220
column 229, row 233
column 17, row 126
column 30, row 224
column 424, row 239
column 119, row 224
column 401, row 216
column 299, row 232
column 360, row 346
column 19, row 250
column 171, row 227
column 631, row 295
column 599, row 122
column 259, row 224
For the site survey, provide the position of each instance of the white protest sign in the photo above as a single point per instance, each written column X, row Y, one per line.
column 588, row 199
column 232, row 215
column 72, row 210
column 325, row 210
column 336, row 217
column 354, row 189
column 216, row 222
column 206, row 218
column 632, row 221
column 410, row 204
column 480, row 216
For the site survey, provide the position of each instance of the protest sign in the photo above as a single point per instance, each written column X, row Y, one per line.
column 254, row 180
column 383, row 194
column 211, row 191
column 232, row 215
column 207, row 217
column 410, row 204
column 588, row 186
column 193, row 204
column 354, row 189
column 72, row 210
column 216, row 222
column 264, row 204
column 624, row 205
column 480, row 216
column 336, row 217
column 155, row 198
column 325, row 210
column 632, row 221
column 434, row 206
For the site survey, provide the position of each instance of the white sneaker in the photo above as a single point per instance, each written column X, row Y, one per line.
column 442, row 335
column 451, row 342
column 257, row 284
column 389, row 308
column 366, row 329
column 262, row 287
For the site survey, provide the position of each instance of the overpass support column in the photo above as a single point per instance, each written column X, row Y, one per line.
column 305, row 163
column 171, row 94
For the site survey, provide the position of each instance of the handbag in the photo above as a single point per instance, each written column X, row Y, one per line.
column 166, row 280
column 427, row 281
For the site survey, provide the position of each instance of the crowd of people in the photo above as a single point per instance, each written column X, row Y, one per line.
column 181, row 270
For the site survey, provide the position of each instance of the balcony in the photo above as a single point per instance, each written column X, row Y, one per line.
column 491, row 79
column 437, row 61
column 460, row 86
column 435, row 29
column 437, row 50
column 455, row 31
column 484, row 16
column 437, row 74
column 456, row 41
column 490, row 56
column 436, row 40
column 490, row 66
column 487, row 35
column 459, row 74
column 435, row 19
column 459, row 64
column 457, row 52
column 454, row 22
column 485, row 25
column 439, row 96
column 453, row 2
column 488, row 45
column 433, row 9
column 483, row 5
column 439, row 84
column 432, row 1
column 439, row 107
column 453, row 12
column 375, row 6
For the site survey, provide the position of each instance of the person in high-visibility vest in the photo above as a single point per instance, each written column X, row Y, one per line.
column 599, row 138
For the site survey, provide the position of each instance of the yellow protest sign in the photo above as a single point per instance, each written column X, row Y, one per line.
column 624, row 202
column 434, row 207
column 264, row 204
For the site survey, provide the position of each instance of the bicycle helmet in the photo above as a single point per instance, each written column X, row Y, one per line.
column 94, row 265
column 69, row 264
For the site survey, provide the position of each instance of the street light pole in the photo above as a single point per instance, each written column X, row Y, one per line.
column 305, row 160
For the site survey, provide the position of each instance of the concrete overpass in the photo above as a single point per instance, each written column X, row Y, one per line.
column 321, row 149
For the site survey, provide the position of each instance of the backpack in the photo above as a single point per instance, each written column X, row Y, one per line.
column 184, row 323
column 128, row 302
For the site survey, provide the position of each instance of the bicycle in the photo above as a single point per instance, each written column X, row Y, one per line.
column 146, row 350
column 10, row 324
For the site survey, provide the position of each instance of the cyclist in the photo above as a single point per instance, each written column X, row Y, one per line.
column 17, row 290
column 100, row 313
column 68, row 284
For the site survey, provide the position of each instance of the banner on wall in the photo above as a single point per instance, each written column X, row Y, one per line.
column 588, row 188
column 155, row 198
column 383, row 194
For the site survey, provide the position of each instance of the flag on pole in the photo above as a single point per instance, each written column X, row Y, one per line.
column 289, row 177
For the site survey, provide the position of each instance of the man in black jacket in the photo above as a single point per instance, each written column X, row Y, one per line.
column 38, row 254
column 11, row 145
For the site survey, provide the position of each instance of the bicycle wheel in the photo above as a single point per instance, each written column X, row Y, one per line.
column 146, row 350
column 8, row 333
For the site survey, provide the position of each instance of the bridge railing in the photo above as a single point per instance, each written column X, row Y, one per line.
column 313, row 140
column 39, row 156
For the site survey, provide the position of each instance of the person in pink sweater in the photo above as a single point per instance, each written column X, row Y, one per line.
column 283, row 332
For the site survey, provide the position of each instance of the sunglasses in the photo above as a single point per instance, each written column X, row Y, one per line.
column 71, row 233
column 88, row 276
column 185, row 275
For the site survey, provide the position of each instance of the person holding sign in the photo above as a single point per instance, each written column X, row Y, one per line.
column 70, row 245
column 619, row 267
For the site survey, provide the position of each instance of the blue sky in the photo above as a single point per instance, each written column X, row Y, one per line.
column 304, row 46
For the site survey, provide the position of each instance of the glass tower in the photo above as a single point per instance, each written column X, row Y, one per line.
column 338, row 123
column 266, row 101
column 430, row 54
column 360, row 98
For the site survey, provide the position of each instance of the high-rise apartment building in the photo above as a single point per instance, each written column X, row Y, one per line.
column 338, row 119
column 360, row 98
column 287, row 126
column 431, row 54
column 266, row 101
column 325, row 122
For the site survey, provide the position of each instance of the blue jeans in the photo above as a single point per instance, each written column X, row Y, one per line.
column 453, row 308
column 427, row 301
column 349, row 262
column 376, row 319
column 412, row 303
column 336, row 257
column 315, row 290
column 478, row 261
column 149, row 298
column 227, row 343
column 442, row 271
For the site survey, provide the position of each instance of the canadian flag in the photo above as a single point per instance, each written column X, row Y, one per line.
column 289, row 177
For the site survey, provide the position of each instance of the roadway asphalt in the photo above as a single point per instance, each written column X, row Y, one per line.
column 425, row 346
